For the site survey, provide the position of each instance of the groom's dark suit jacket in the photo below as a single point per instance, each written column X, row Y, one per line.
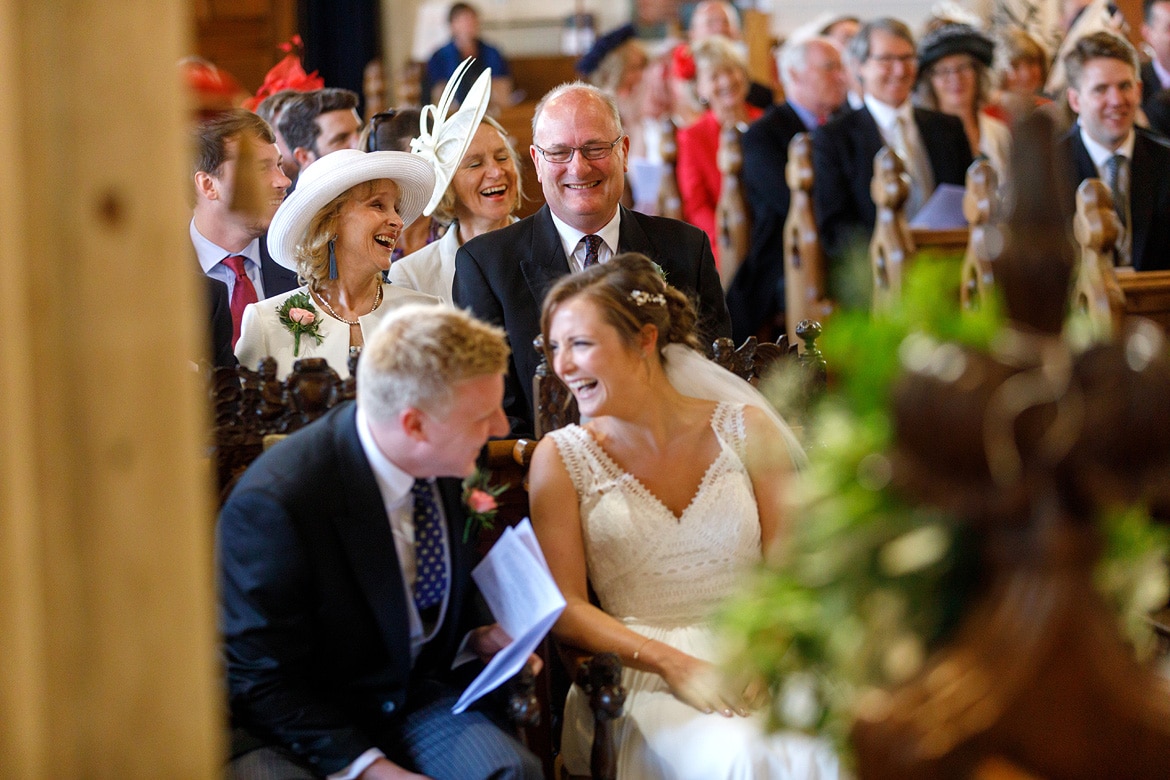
column 1149, row 193
column 504, row 275
column 843, row 152
column 312, row 605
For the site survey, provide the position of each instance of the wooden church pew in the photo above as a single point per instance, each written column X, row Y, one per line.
column 1106, row 293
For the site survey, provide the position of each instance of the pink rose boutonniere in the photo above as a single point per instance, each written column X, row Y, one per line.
column 299, row 317
column 480, row 499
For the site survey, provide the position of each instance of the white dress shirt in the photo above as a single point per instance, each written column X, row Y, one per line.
column 395, row 485
column 574, row 246
column 900, row 133
column 211, row 258
column 1100, row 157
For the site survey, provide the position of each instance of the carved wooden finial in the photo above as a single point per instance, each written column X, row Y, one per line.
column 669, row 199
column 981, row 207
column 804, row 260
column 891, row 245
column 1096, row 228
column 731, row 222
column 1025, row 446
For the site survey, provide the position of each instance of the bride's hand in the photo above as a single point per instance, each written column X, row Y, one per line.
column 701, row 685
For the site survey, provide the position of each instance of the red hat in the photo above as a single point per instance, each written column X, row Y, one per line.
column 289, row 73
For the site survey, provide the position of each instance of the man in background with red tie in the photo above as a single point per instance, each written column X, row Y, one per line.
column 815, row 85
column 228, row 236
column 580, row 154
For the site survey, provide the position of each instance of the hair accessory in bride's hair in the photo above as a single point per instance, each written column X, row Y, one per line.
column 641, row 298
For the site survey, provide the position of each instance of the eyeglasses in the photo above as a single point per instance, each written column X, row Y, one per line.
column 372, row 129
column 564, row 154
column 965, row 69
column 886, row 60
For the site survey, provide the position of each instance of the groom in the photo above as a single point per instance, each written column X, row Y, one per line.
column 344, row 582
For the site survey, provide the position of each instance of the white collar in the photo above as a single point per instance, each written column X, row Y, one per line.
column 571, row 236
column 393, row 483
column 886, row 115
column 211, row 254
column 1100, row 155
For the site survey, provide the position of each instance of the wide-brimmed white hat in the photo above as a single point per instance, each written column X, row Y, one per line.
column 332, row 175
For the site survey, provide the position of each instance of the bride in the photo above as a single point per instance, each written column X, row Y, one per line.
column 660, row 502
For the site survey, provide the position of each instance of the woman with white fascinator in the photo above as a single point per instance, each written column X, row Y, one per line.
column 337, row 231
column 477, row 187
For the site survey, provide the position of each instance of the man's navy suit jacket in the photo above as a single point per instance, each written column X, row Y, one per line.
column 757, row 291
column 312, row 604
column 843, row 152
column 504, row 275
column 1149, row 194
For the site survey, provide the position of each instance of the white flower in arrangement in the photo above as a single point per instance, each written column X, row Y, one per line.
column 798, row 704
column 903, row 658
column 915, row 550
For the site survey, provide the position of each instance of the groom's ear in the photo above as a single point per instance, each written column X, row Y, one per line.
column 411, row 420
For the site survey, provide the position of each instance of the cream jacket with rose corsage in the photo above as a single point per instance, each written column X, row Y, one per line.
column 262, row 334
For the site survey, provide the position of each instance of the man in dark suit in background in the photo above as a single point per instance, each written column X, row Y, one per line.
column 815, row 85
column 345, row 588
column 228, row 235
column 932, row 145
column 1104, row 143
column 1156, row 73
column 580, row 154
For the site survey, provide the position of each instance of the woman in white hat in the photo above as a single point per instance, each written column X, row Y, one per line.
column 477, row 189
column 337, row 230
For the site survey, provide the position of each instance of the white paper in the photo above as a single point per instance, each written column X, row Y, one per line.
column 943, row 211
column 515, row 581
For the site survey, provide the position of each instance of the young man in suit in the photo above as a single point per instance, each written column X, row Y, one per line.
column 932, row 145
column 319, row 122
column 815, row 85
column 345, row 588
column 1104, row 91
column 580, row 153
column 228, row 237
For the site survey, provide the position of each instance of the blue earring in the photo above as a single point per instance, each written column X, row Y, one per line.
column 332, row 259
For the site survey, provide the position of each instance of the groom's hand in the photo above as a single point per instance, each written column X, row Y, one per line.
column 486, row 641
column 385, row 769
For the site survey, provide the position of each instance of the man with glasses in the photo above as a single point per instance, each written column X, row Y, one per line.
column 932, row 145
column 580, row 154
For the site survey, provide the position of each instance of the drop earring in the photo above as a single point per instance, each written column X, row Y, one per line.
column 332, row 259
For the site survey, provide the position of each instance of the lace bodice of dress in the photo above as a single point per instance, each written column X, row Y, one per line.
column 644, row 563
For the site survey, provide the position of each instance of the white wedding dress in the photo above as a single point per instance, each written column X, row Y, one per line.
column 662, row 576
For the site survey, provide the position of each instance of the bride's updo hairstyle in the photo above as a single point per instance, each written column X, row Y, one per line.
column 631, row 293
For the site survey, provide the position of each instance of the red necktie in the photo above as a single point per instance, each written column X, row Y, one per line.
column 243, row 293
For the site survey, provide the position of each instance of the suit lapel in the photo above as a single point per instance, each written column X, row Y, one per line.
column 632, row 238
column 365, row 534
column 276, row 278
column 545, row 261
column 1142, row 187
column 1081, row 160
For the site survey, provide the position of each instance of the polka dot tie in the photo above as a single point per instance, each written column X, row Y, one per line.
column 430, row 580
column 592, row 244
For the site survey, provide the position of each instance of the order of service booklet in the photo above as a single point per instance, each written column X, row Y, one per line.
column 515, row 581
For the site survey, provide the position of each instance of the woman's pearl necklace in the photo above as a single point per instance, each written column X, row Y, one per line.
column 321, row 299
